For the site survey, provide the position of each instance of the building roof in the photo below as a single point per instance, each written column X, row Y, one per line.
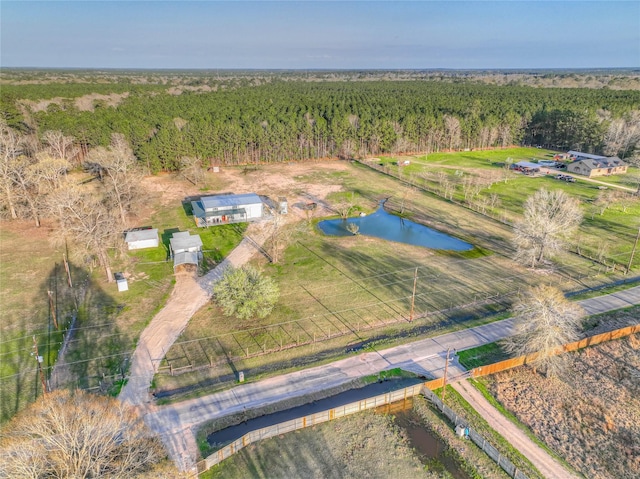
column 141, row 235
column 579, row 154
column 183, row 240
column 185, row 257
column 528, row 164
column 612, row 162
column 226, row 201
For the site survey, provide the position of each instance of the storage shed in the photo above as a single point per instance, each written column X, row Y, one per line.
column 225, row 209
column 185, row 248
column 140, row 239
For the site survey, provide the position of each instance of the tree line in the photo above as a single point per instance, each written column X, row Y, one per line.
column 297, row 120
column 92, row 214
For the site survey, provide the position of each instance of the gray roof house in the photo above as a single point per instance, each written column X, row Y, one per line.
column 598, row 167
column 185, row 248
column 225, row 209
column 578, row 155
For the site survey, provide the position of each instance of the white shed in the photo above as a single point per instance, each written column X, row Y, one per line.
column 139, row 239
column 224, row 209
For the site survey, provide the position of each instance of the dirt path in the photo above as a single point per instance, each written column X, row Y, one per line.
column 547, row 465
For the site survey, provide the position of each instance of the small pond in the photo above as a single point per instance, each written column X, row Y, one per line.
column 393, row 228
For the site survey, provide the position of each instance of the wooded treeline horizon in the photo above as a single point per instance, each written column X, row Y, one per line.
column 280, row 121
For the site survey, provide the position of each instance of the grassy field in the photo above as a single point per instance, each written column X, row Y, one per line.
column 335, row 291
column 608, row 236
column 357, row 290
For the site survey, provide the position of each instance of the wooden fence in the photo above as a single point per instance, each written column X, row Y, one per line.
column 307, row 421
column 583, row 343
column 402, row 394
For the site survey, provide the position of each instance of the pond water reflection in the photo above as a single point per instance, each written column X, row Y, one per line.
column 393, row 228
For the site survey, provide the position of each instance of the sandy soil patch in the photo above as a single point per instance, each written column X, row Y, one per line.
column 298, row 182
column 82, row 103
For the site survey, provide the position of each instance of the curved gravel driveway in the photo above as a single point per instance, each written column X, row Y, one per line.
column 187, row 297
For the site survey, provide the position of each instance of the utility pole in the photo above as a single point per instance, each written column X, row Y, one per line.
column 39, row 359
column 633, row 252
column 66, row 268
column 413, row 296
column 52, row 308
column 446, row 368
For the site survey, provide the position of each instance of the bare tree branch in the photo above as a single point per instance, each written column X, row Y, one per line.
column 549, row 218
column 77, row 434
column 544, row 321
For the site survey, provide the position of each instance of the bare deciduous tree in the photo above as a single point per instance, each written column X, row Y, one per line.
column 25, row 187
column 544, row 321
column 60, row 146
column 604, row 200
column 549, row 219
column 77, row 434
column 10, row 149
column 86, row 219
column 353, row 228
column 346, row 205
column 623, row 136
column 48, row 172
column 453, row 129
column 117, row 166
column 191, row 169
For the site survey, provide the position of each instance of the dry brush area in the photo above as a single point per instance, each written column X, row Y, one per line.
column 590, row 413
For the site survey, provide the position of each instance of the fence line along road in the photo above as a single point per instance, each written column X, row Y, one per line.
column 425, row 357
column 354, row 408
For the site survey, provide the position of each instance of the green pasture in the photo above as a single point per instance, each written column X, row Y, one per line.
column 355, row 290
column 605, row 235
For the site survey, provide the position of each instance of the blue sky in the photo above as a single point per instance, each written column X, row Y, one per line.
column 320, row 34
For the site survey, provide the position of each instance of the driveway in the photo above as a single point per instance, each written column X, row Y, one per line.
column 176, row 423
column 547, row 465
column 187, row 297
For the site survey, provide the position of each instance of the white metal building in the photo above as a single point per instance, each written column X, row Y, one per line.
column 225, row 209
column 140, row 239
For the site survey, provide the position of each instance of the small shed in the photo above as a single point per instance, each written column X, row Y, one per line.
column 140, row 239
column 121, row 282
column 185, row 248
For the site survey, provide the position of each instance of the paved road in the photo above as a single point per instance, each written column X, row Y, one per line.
column 176, row 423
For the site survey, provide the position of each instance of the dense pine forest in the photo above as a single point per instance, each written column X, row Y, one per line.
column 246, row 120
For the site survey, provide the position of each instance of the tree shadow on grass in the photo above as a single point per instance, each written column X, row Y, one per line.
column 95, row 350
